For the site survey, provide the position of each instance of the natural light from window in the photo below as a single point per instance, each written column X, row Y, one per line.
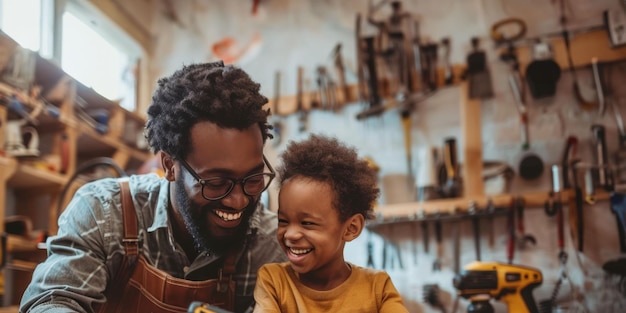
column 96, row 62
column 21, row 20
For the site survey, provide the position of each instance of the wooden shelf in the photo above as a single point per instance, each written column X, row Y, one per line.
column 98, row 144
column 28, row 176
column 413, row 210
column 21, row 244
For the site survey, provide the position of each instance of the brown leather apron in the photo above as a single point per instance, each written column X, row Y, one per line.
column 140, row 287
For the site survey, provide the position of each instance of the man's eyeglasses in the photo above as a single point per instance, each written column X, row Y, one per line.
column 216, row 188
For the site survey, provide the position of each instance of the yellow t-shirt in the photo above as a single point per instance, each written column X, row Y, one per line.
column 366, row 290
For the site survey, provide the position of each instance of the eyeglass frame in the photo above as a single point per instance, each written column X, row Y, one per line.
column 240, row 181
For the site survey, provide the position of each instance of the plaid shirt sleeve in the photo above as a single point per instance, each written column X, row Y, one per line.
column 74, row 276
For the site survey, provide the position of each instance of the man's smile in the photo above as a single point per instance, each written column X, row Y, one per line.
column 228, row 216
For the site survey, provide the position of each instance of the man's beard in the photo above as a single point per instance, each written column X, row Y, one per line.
column 195, row 218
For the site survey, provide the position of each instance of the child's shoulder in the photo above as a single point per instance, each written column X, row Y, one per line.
column 275, row 268
column 370, row 273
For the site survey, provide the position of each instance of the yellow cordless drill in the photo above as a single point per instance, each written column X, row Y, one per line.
column 511, row 284
column 200, row 307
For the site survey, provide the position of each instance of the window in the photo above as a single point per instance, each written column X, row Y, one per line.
column 21, row 19
column 89, row 47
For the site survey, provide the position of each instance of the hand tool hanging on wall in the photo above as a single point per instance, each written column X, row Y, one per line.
column 567, row 159
column 439, row 239
column 586, row 105
column 456, row 248
column 360, row 60
column 426, row 179
column 393, row 35
column 303, row 114
column 414, row 239
column 553, row 203
column 416, row 43
column 448, row 75
column 478, row 74
column 603, row 173
column 425, row 235
column 341, row 77
column 500, row 37
column 405, row 117
column 618, row 208
column 547, row 305
column 522, row 237
column 326, row 89
column 491, row 210
column 429, row 53
column 510, row 243
column 542, row 73
column 531, row 166
column 450, row 182
column 473, row 212
column 277, row 125
column 576, row 217
column 372, row 75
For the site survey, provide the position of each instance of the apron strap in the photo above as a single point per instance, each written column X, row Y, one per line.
column 117, row 285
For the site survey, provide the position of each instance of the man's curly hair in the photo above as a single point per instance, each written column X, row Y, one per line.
column 222, row 94
column 325, row 159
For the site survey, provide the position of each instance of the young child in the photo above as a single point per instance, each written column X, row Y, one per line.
column 326, row 195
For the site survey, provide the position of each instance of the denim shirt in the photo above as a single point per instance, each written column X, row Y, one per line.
column 87, row 250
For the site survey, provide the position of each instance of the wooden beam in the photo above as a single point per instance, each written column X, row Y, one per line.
column 471, row 134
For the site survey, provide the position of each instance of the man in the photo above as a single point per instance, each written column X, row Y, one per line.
column 207, row 124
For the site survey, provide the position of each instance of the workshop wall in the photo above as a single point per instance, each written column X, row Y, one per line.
column 284, row 35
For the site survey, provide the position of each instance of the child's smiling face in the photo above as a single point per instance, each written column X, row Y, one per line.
column 310, row 230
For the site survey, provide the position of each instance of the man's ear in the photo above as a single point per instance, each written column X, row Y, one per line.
column 354, row 227
column 167, row 162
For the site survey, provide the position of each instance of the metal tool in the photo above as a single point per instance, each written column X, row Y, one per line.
column 372, row 74
column 456, row 235
column 554, row 203
column 360, row 59
column 478, row 75
column 491, row 209
column 567, row 160
column 439, row 239
column 522, row 237
column 473, row 212
column 341, row 77
column 414, row 241
column 429, row 65
column 326, row 89
column 303, row 114
column 547, row 305
column 601, row 157
column 277, row 125
column 405, row 117
column 618, row 207
column 510, row 244
column 452, row 185
column 425, row 235
column 586, row 105
column 448, row 76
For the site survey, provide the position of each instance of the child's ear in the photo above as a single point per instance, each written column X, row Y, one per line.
column 168, row 166
column 354, row 226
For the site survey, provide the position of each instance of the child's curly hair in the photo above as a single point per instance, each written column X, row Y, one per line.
column 222, row 94
column 327, row 160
